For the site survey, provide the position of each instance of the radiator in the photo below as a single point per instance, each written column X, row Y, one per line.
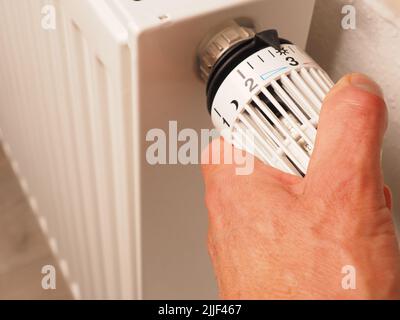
column 66, row 122
column 75, row 105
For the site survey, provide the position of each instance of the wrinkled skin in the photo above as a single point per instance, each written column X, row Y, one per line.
column 277, row 236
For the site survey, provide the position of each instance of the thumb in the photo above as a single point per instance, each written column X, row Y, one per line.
column 352, row 124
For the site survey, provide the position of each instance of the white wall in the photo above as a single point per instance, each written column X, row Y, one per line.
column 173, row 214
column 372, row 48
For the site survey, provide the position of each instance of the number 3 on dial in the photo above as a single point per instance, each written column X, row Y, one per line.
column 292, row 61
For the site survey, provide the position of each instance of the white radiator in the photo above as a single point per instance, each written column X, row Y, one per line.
column 66, row 121
column 75, row 105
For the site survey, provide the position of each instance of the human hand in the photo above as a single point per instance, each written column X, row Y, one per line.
column 277, row 236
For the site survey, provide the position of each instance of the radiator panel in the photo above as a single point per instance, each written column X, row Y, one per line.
column 76, row 104
column 66, row 123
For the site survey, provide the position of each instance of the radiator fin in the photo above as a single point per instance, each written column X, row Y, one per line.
column 66, row 124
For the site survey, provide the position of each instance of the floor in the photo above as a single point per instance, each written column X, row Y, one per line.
column 23, row 247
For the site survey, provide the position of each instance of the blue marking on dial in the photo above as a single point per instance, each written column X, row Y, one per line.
column 271, row 73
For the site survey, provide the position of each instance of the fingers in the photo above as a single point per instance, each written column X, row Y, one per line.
column 221, row 157
column 352, row 124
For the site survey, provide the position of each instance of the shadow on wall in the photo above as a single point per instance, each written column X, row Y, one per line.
column 373, row 48
column 325, row 34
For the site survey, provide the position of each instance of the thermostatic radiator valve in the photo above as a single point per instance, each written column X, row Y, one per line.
column 264, row 91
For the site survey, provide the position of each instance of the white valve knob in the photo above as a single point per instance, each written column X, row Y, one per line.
column 264, row 96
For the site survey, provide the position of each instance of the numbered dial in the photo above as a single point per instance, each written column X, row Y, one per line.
column 269, row 105
column 264, row 94
column 247, row 79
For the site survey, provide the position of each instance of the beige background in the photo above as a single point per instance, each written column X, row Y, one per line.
column 373, row 48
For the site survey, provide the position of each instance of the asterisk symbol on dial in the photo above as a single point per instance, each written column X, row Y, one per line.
column 282, row 51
